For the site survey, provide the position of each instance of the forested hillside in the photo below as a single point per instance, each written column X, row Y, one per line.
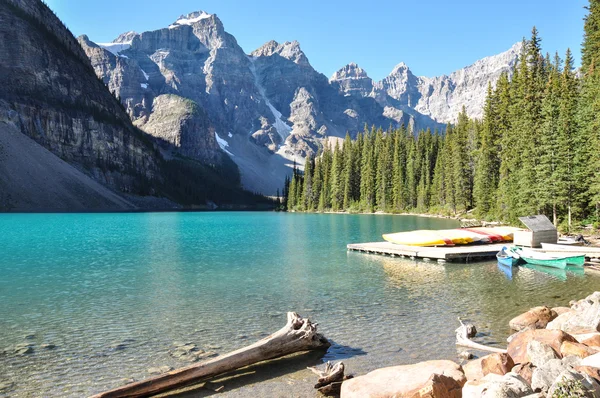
column 536, row 150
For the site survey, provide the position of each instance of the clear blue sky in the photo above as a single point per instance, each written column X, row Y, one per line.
column 432, row 37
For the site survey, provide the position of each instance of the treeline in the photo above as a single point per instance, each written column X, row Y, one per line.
column 536, row 150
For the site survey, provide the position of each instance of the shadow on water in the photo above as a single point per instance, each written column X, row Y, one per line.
column 338, row 352
column 267, row 370
column 258, row 373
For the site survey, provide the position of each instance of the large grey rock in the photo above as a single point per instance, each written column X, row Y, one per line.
column 510, row 385
column 544, row 376
column 539, row 353
column 586, row 314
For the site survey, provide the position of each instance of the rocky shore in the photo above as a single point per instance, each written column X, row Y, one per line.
column 555, row 352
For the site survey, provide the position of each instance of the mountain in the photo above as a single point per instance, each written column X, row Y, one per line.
column 269, row 108
column 67, row 144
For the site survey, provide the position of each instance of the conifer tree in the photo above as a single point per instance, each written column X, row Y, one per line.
column 307, row 192
column 337, row 179
column 348, row 173
column 487, row 171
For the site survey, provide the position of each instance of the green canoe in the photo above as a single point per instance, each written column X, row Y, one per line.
column 537, row 258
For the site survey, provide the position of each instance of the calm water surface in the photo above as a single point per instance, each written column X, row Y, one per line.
column 114, row 292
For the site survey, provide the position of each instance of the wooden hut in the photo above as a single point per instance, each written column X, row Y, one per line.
column 540, row 230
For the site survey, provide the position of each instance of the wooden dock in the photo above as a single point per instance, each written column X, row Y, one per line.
column 441, row 254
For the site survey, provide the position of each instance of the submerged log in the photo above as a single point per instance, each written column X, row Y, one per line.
column 467, row 330
column 297, row 335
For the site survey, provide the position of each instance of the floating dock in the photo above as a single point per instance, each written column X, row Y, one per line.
column 466, row 253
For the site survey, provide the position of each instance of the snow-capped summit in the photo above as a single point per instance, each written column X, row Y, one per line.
column 190, row 18
column 126, row 37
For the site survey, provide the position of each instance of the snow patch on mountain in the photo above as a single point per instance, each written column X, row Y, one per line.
column 223, row 144
column 283, row 129
column 115, row 48
column 190, row 19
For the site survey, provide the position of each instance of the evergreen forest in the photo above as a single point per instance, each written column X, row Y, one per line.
column 535, row 151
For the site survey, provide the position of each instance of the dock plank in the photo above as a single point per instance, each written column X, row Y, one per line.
column 454, row 253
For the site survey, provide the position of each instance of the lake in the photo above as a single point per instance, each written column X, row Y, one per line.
column 115, row 292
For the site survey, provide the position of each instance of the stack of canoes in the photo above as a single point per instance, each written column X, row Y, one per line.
column 451, row 237
column 512, row 256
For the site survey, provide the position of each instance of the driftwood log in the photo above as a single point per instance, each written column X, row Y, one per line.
column 465, row 332
column 297, row 335
column 330, row 380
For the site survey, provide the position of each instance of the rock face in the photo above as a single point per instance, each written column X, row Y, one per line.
column 425, row 379
column 51, row 94
column 271, row 106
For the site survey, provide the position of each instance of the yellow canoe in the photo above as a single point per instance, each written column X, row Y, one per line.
column 418, row 238
column 457, row 236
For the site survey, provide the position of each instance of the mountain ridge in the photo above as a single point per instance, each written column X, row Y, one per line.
column 271, row 107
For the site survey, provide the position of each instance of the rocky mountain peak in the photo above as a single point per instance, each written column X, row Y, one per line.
column 400, row 69
column 126, row 37
column 266, row 50
column 350, row 71
column 289, row 50
column 191, row 18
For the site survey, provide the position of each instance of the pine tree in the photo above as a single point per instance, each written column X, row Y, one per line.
column 367, row 182
column 567, row 144
column 487, row 171
column 337, row 179
column 307, row 192
column 399, row 169
column 546, row 168
column 348, row 173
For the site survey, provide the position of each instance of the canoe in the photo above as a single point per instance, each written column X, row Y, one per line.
column 421, row 238
column 475, row 236
column 457, row 236
column 494, row 237
column 506, row 233
column 573, row 259
column 537, row 258
column 507, row 257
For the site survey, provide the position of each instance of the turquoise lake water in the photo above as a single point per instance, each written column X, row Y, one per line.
column 114, row 292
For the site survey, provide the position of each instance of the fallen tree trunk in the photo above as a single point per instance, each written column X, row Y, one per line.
column 465, row 331
column 297, row 335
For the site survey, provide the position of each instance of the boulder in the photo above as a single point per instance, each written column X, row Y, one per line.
column 585, row 387
column 517, row 348
column 586, row 314
column 440, row 378
column 590, row 371
column 561, row 310
column 539, row 353
column 558, row 322
column 525, row 370
column 578, row 349
column 593, row 341
column 496, row 386
column 496, row 363
column 592, row 360
column 544, row 376
column 537, row 318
